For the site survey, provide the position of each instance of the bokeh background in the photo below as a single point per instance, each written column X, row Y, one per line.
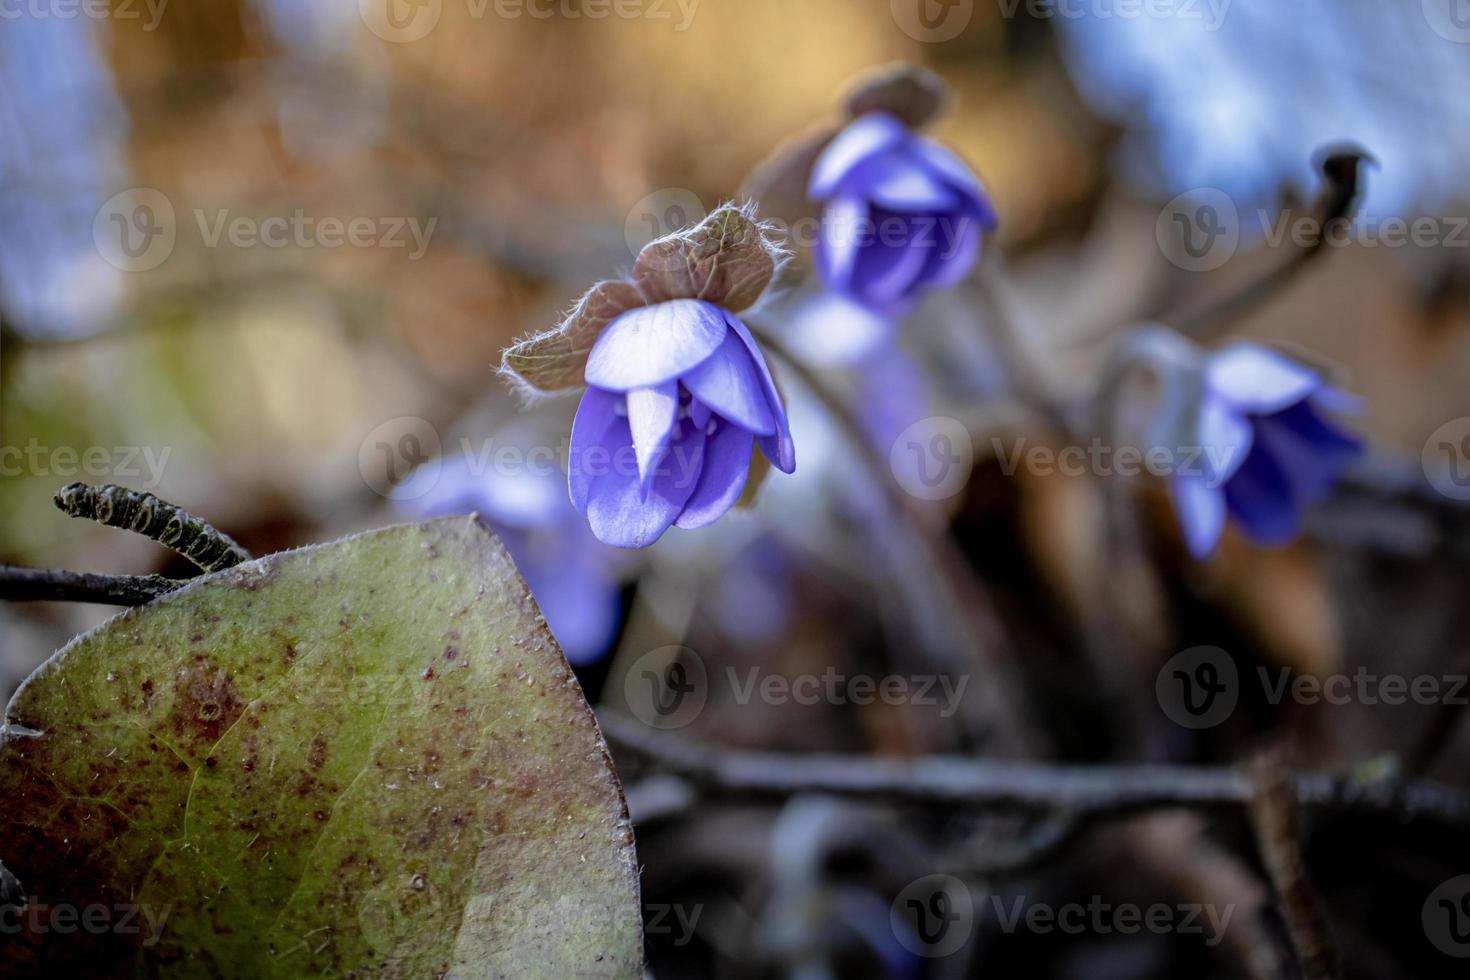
column 536, row 146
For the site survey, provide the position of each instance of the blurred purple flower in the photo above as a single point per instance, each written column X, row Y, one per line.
column 571, row 575
column 1269, row 449
column 901, row 214
column 678, row 393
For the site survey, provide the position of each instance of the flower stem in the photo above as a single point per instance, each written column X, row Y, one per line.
column 977, row 625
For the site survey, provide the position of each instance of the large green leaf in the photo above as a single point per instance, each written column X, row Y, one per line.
column 366, row 758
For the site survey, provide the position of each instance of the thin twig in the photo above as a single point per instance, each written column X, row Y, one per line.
column 27, row 584
column 1091, row 791
column 1278, row 835
column 1342, row 168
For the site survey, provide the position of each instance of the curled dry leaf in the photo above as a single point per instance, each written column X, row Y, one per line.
column 727, row 259
column 554, row 360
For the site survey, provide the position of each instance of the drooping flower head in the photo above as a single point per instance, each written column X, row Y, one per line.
column 1269, row 446
column 679, row 393
column 897, row 214
column 571, row 575
column 902, row 214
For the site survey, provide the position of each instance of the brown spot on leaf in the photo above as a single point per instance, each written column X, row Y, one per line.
column 318, row 756
column 206, row 702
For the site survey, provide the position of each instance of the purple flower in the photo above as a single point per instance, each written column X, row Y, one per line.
column 901, row 214
column 678, row 392
column 571, row 575
column 1268, row 448
column 678, row 395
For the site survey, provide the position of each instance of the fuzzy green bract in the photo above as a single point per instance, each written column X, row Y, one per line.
column 365, row 758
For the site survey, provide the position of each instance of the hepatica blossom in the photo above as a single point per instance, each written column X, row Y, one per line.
column 1269, row 447
column 685, row 386
column 571, row 575
column 901, row 214
column 896, row 214
column 679, row 393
